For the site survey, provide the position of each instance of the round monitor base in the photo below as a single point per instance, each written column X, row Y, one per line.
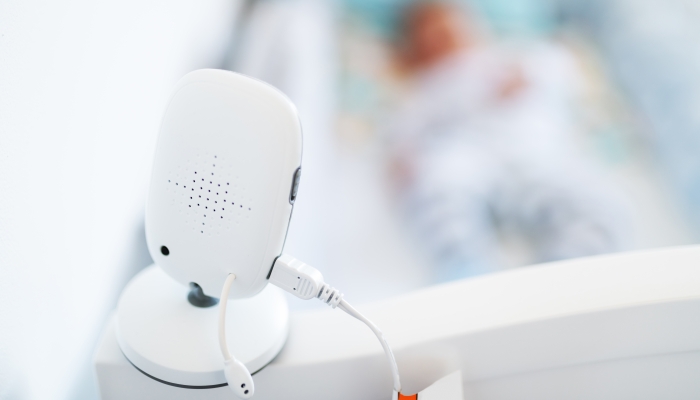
column 174, row 342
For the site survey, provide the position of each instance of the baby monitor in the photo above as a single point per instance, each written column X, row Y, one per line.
column 224, row 179
column 225, row 176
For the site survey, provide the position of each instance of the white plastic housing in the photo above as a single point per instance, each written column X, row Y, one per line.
column 220, row 197
column 296, row 277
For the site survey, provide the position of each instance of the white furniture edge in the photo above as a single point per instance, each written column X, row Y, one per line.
column 548, row 317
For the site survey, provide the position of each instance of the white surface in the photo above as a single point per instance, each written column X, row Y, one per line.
column 621, row 326
column 447, row 388
column 219, row 198
column 83, row 86
column 120, row 380
column 162, row 334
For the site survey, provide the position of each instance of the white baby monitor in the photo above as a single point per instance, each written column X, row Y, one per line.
column 224, row 180
column 224, row 177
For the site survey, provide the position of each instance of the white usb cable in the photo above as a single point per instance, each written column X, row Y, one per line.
column 306, row 282
column 236, row 373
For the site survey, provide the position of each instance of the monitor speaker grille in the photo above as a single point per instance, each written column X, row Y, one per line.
column 208, row 196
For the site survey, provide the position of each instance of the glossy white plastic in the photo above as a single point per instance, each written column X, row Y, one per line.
column 228, row 150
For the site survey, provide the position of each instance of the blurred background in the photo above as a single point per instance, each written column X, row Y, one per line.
column 442, row 140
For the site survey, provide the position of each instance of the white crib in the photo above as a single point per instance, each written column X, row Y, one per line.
column 610, row 327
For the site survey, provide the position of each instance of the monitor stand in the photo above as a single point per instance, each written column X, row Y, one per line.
column 168, row 338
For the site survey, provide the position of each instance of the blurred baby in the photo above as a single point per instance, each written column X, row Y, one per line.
column 484, row 140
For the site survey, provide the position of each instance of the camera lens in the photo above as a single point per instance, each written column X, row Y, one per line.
column 164, row 250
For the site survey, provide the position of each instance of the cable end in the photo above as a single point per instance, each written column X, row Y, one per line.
column 303, row 281
column 296, row 277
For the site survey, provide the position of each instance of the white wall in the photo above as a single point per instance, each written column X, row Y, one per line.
column 82, row 85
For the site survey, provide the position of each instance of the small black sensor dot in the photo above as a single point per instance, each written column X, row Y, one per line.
column 246, row 391
column 195, row 172
column 164, row 250
column 242, row 385
column 168, row 180
column 227, row 183
column 222, row 216
column 175, row 183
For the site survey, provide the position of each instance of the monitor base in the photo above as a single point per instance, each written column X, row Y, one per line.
column 176, row 343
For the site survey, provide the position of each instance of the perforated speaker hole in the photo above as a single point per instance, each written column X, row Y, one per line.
column 196, row 200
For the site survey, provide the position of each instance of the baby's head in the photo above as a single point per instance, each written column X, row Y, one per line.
column 432, row 31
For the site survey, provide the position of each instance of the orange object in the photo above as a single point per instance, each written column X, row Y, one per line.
column 409, row 397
